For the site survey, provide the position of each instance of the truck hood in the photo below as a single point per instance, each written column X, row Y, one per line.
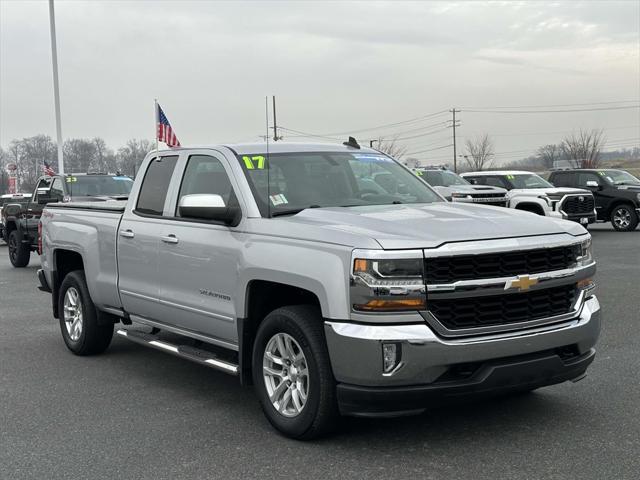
column 469, row 189
column 427, row 225
column 548, row 191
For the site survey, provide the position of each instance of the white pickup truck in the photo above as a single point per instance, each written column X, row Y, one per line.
column 532, row 193
column 274, row 265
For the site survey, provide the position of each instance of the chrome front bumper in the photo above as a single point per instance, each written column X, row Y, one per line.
column 356, row 349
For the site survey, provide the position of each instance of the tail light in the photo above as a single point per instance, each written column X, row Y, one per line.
column 39, row 238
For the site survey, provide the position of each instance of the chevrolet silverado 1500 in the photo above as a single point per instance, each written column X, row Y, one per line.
column 273, row 265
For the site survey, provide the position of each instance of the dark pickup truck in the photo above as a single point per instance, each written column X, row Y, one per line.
column 616, row 193
column 21, row 220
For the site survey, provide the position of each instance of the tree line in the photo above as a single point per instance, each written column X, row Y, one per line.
column 80, row 155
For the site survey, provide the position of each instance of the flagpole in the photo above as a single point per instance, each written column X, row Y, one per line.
column 56, row 86
column 157, row 119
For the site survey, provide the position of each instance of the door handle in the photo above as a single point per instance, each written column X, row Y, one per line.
column 169, row 239
column 127, row 234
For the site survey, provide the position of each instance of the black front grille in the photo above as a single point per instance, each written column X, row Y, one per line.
column 503, row 309
column 573, row 204
column 503, row 264
column 487, row 195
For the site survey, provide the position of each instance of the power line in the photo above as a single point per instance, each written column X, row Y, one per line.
column 379, row 127
column 430, row 149
column 557, row 105
column 553, row 111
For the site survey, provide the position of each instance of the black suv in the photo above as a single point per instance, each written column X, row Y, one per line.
column 617, row 193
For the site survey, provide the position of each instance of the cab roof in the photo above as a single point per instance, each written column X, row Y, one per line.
column 498, row 172
column 281, row 147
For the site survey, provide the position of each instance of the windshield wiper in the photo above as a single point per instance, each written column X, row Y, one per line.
column 292, row 211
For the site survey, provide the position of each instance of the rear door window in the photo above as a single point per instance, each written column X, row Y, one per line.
column 155, row 184
column 564, row 179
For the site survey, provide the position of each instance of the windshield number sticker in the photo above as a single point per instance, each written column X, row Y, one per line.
column 278, row 199
column 418, row 173
column 254, row 162
column 602, row 174
column 511, row 177
column 72, row 179
column 369, row 158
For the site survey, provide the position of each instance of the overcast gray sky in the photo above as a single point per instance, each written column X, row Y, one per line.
column 335, row 67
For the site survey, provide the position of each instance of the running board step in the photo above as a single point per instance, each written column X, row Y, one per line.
column 202, row 357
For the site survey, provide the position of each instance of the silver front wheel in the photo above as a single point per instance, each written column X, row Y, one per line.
column 622, row 218
column 286, row 374
column 73, row 313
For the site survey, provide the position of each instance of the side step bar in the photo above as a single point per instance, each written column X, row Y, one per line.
column 202, row 357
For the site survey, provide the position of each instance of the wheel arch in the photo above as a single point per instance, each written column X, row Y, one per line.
column 261, row 298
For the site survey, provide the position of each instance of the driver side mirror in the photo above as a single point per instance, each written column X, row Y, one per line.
column 207, row 206
column 593, row 185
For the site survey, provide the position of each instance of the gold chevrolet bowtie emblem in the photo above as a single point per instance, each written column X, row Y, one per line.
column 524, row 282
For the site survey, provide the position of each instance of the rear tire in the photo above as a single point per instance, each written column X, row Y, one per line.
column 624, row 218
column 307, row 406
column 81, row 331
column 19, row 252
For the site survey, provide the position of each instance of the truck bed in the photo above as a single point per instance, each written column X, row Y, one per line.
column 89, row 228
column 117, row 206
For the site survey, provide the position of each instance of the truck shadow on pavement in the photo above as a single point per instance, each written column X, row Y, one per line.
column 465, row 423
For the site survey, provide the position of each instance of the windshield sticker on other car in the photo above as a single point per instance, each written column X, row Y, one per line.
column 602, row 174
column 254, row 162
column 72, row 179
column 278, row 199
column 418, row 173
column 511, row 177
column 369, row 158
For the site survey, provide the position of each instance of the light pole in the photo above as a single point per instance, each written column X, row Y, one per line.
column 56, row 87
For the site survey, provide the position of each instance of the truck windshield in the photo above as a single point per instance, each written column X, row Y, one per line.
column 330, row 179
column 528, row 180
column 98, row 185
column 443, row 178
column 619, row 177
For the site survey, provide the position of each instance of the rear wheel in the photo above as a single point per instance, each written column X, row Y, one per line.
column 292, row 372
column 19, row 252
column 81, row 331
column 624, row 218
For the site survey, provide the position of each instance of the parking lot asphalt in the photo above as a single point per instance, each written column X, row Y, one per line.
column 139, row 413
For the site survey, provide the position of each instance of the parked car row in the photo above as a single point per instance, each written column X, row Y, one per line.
column 581, row 195
column 330, row 277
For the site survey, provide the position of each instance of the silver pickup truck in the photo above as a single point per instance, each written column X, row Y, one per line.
column 275, row 265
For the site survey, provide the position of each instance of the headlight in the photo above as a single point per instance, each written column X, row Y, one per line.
column 387, row 281
column 461, row 195
column 584, row 255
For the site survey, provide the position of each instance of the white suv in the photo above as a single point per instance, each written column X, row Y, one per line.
column 532, row 193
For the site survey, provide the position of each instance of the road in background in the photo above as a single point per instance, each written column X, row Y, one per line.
column 139, row 413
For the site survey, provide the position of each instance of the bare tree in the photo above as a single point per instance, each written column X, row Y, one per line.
column 131, row 156
column 479, row 152
column 391, row 147
column 583, row 149
column 29, row 154
column 4, row 175
column 549, row 154
column 104, row 159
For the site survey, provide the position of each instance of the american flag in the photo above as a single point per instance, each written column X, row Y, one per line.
column 165, row 132
column 48, row 170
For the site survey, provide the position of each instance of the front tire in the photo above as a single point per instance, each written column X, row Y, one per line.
column 292, row 372
column 624, row 218
column 19, row 252
column 81, row 331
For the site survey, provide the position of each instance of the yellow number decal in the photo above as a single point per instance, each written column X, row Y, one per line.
column 257, row 161
column 71, row 179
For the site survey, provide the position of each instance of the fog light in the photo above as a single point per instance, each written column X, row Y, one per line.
column 588, row 286
column 391, row 354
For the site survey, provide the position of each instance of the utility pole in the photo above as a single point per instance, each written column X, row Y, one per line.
column 56, row 87
column 275, row 124
column 454, row 125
